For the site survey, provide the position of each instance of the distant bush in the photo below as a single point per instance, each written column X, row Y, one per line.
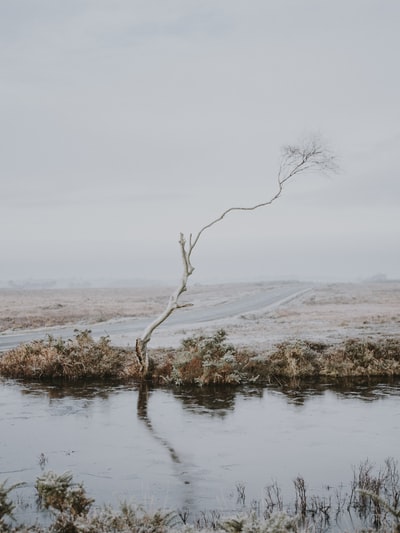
column 72, row 359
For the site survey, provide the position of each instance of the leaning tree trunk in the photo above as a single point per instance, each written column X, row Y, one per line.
column 142, row 354
column 311, row 155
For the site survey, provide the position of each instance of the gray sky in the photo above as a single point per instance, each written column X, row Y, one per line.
column 125, row 122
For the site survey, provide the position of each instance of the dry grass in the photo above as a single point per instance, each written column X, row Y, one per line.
column 211, row 360
column 202, row 360
column 350, row 358
column 357, row 357
column 37, row 308
column 31, row 308
column 72, row 359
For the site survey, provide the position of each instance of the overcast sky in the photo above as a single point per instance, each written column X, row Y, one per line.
column 124, row 122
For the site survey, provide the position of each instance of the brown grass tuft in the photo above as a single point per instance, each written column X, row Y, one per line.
column 72, row 359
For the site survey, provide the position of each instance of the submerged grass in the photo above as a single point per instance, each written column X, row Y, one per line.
column 202, row 360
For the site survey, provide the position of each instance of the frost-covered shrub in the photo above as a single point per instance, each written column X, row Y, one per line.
column 276, row 523
column 205, row 360
column 295, row 359
column 359, row 357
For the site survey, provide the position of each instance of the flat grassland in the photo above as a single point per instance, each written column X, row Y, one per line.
column 326, row 312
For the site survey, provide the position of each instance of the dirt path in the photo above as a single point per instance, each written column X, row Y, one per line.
column 328, row 312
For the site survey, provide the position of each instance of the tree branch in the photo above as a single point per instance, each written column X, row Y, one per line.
column 311, row 155
column 174, row 298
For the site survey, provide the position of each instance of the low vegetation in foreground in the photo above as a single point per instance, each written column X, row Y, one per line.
column 371, row 504
column 202, row 360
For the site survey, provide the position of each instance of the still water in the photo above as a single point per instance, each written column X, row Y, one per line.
column 190, row 448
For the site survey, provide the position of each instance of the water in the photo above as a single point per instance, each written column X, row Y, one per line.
column 190, row 448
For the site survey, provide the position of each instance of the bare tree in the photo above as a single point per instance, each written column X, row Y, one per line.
column 310, row 155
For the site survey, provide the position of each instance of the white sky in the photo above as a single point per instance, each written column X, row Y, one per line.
column 125, row 122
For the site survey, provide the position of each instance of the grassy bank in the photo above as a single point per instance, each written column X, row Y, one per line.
column 71, row 359
column 202, row 360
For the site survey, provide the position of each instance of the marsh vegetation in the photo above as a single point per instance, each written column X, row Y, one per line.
column 373, row 502
column 202, row 360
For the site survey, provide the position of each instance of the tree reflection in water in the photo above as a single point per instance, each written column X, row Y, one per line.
column 143, row 415
column 181, row 471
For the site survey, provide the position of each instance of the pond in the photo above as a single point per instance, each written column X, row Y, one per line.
column 194, row 449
